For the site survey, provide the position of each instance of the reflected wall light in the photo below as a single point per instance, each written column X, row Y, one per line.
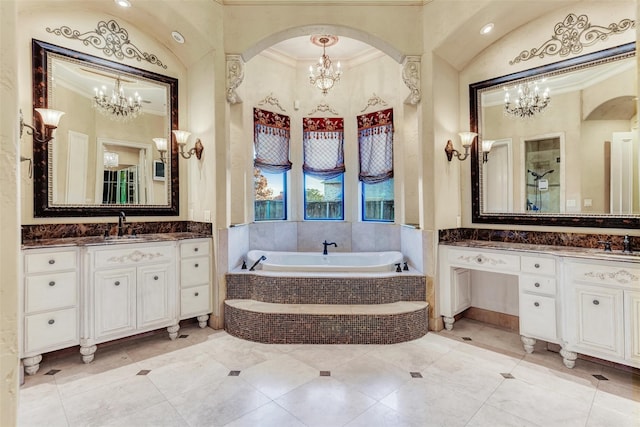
column 50, row 120
column 161, row 145
column 466, row 138
column 486, row 149
column 182, row 136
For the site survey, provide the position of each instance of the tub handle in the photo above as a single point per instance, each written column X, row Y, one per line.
column 398, row 269
column 406, row 266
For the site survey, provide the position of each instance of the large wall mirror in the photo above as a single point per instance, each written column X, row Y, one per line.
column 101, row 161
column 572, row 158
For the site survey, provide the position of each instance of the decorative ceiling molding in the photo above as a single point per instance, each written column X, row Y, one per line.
column 111, row 39
column 572, row 35
column 411, row 78
column 323, row 107
column 373, row 101
column 235, row 75
column 272, row 100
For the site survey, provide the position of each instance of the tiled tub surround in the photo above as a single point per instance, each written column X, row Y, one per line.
column 380, row 309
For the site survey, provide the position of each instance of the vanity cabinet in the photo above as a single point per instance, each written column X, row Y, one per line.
column 195, row 280
column 49, row 303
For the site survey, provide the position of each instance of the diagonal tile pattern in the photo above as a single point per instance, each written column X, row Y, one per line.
column 486, row 381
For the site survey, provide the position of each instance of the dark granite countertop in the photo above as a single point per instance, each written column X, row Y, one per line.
column 568, row 251
column 100, row 240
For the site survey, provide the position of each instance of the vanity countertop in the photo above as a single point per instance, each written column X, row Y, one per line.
column 568, row 251
column 111, row 240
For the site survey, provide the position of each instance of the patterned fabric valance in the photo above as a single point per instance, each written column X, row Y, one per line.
column 323, row 146
column 375, row 146
column 271, row 141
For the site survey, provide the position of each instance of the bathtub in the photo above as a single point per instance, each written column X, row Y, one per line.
column 354, row 262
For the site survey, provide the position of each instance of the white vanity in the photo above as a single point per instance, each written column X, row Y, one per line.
column 585, row 300
column 92, row 291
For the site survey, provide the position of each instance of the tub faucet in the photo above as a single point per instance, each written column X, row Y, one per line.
column 325, row 243
column 121, row 219
column 262, row 258
column 626, row 245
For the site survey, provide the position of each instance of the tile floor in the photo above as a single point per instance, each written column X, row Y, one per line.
column 209, row 378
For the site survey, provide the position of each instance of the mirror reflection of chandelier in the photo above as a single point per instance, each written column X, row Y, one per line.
column 117, row 107
column 322, row 75
column 528, row 101
column 111, row 160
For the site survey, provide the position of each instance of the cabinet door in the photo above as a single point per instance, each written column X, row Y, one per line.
column 156, row 299
column 115, row 302
column 461, row 289
column 538, row 316
column 600, row 320
column 632, row 317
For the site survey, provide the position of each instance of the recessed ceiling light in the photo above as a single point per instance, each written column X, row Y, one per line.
column 123, row 3
column 487, row 28
column 177, row 37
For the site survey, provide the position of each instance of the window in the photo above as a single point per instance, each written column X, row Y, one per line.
column 270, row 191
column 323, row 198
column 375, row 151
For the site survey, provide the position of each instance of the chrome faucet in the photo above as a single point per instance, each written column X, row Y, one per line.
column 626, row 245
column 121, row 220
column 324, row 252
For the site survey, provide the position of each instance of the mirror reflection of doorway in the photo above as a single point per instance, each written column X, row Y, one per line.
column 497, row 187
column 542, row 161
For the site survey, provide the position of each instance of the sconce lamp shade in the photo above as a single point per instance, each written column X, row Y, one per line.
column 161, row 143
column 50, row 117
column 467, row 138
column 486, row 148
column 182, row 136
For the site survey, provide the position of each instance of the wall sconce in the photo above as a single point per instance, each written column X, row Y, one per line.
column 182, row 136
column 161, row 145
column 50, row 120
column 466, row 138
column 486, row 149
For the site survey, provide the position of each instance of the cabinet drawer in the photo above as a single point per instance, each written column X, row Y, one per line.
column 194, row 301
column 50, row 291
column 194, row 271
column 196, row 248
column 538, row 316
column 603, row 274
column 537, row 284
column 492, row 261
column 43, row 262
column 126, row 255
column 538, row 265
column 55, row 328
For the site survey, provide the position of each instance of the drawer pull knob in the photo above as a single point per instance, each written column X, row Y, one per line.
column 196, row 294
column 596, row 302
column 52, row 283
column 117, row 283
column 195, row 249
column 52, row 261
column 537, row 285
column 155, row 277
column 479, row 260
column 537, row 304
column 536, row 265
column 196, row 265
column 51, row 321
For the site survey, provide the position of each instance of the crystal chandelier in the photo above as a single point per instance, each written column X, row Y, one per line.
column 111, row 160
column 528, row 102
column 117, row 107
column 322, row 75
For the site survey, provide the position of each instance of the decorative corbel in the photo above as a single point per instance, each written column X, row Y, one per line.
column 235, row 75
column 411, row 78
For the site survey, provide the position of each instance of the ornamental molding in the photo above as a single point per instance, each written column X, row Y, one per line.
column 272, row 100
column 373, row 101
column 621, row 276
column 235, row 76
column 572, row 35
column 481, row 259
column 411, row 78
column 110, row 38
column 323, row 107
column 136, row 256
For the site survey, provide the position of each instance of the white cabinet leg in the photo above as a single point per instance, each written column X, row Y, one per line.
column 32, row 364
column 202, row 320
column 173, row 331
column 568, row 358
column 448, row 322
column 88, row 352
column 528, row 343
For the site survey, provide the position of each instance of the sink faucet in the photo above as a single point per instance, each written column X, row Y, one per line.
column 626, row 245
column 324, row 252
column 121, row 219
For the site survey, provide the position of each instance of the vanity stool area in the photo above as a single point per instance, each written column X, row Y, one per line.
column 89, row 290
column 585, row 300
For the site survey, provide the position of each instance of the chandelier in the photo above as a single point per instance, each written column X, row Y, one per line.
column 528, row 102
column 111, row 160
column 117, row 107
column 322, row 75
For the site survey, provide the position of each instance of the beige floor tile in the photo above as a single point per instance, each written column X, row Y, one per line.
column 160, row 415
column 380, row 415
column 269, row 415
column 371, row 376
column 279, row 376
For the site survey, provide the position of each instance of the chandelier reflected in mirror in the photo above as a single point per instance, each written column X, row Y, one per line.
column 111, row 160
column 117, row 106
column 528, row 101
column 323, row 75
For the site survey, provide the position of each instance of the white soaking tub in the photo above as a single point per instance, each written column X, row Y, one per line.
column 355, row 262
